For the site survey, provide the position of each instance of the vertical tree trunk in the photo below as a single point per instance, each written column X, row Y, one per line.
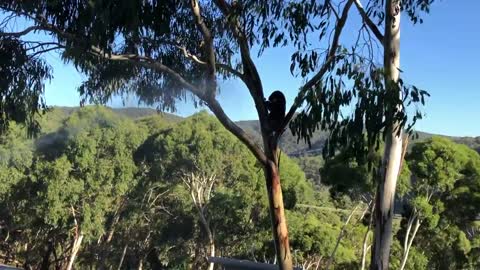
column 365, row 249
column 122, row 258
column 46, row 258
column 409, row 244
column 339, row 238
column 212, row 254
column 366, row 246
column 390, row 168
column 211, row 240
column 277, row 215
column 75, row 248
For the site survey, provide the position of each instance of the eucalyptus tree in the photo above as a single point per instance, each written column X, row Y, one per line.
column 22, row 81
column 163, row 50
column 443, row 200
column 83, row 182
column 205, row 168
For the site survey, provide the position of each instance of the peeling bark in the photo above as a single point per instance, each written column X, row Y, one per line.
column 277, row 215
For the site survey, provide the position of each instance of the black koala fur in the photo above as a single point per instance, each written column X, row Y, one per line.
column 276, row 105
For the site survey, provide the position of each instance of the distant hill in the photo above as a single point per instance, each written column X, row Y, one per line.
column 130, row 112
column 288, row 142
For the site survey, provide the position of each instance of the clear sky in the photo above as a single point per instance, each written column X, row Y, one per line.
column 442, row 56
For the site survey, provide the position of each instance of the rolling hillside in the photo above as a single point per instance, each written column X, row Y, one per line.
column 288, row 141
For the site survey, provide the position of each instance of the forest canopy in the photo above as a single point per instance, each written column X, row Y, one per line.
column 151, row 191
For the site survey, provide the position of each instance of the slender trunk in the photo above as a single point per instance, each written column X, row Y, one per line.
column 339, row 239
column 46, row 258
column 407, row 233
column 212, row 254
column 277, row 215
column 407, row 250
column 211, row 241
column 123, row 257
column 75, row 248
column 366, row 246
column 390, row 168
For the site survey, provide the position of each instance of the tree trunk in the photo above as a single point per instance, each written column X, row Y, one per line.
column 211, row 241
column 277, row 215
column 75, row 248
column 366, row 246
column 365, row 249
column 212, row 254
column 409, row 245
column 390, row 168
column 122, row 258
column 46, row 258
column 339, row 239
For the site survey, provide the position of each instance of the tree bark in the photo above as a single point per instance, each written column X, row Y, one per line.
column 75, row 248
column 366, row 246
column 389, row 171
column 122, row 258
column 277, row 215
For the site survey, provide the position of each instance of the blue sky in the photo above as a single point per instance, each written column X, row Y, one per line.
column 441, row 55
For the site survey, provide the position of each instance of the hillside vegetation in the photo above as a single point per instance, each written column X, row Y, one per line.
column 132, row 189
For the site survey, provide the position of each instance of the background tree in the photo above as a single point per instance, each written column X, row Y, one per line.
column 22, row 78
column 442, row 195
column 82, row 184
column 380, row 97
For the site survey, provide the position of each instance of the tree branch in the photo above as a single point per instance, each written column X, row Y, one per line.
column 21, row 33
column 325, row 67
column 210, row 101
column 146, row 62
column 197, row 60
column 251, row 76
column 368, row 21
column 237, row 131
column 334, row 11
column 209, row 50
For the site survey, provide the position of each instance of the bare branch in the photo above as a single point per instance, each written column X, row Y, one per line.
column 368, row 21
column 39, row 44
column 21, row 33
column 197, row 60
column 237, row 131
column 326, row 65
column 340, row 236
column 148, row 63
column 210, row 101
column 251, row 76
column 334, row 10
column 45, row 50
column 209, row 50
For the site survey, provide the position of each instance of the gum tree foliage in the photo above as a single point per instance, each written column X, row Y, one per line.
column 443, row 203
column 201, row 145
column 22, row 78
column 164, row 51
column 16, row 155
column 71, row 193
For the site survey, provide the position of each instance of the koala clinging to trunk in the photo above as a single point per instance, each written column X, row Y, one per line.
column 276, row 105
